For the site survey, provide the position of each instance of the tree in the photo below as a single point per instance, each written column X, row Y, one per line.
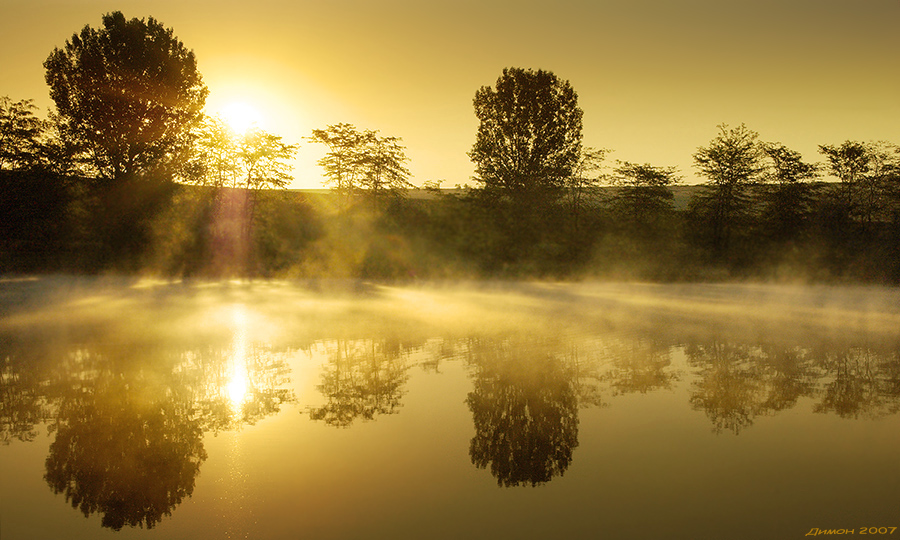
column 129, row 92
column 848, row 162
column 583, row 184
column 788, row 202
column 644, row 192
column 868, row 173
column 215, row 155
column 529, row 135
column 732, row 162
column 385, row 172
column 361, row 160
column 247, row 164
column 264, row 160
column 20, row 134
column 342, row 161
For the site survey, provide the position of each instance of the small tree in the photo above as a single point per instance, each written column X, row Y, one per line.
column 385, row 172
column 20, row 134
column 215, row 161
column 255, row 160
column 732, row 162
column 361, row 160
column 788, row 201
column 128, row 93
column 644, row 194
column 583, row 186
column 264, row 160
column 849, row 162
column 868, row 174
column 343, row 161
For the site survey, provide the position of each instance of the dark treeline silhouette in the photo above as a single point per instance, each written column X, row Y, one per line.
column 128, row 174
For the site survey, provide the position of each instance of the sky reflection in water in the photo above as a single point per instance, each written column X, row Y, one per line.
column 343, row 410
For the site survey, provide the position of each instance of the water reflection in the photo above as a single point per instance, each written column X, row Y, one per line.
column 127, row 445
column 525, row 410
column 127, row 405
column 860, row 383
column 128, row 417
column 361, row 380
column 737, row 383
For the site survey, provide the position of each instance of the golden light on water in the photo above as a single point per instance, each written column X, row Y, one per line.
column 238, row 385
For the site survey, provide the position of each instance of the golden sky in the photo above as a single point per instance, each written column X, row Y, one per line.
column 654, row 77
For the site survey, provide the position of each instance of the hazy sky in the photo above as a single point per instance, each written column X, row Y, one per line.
column 654, row 77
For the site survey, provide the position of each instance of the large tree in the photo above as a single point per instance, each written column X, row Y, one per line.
column 128, row 92
column 529, row 134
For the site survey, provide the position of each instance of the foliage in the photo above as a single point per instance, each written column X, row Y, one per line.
column 732, row 162
column 264, row 160
column 529, row 134
column 20, row 134
column 788, row 201
column 869, row 175
column 644, row 192
column 127, row 92
column 361, row 160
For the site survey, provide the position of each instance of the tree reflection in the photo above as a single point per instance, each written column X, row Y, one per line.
column 525, row 410
column 640, row 366
column 127, row 446
column 128, row 416
column 738, row 382
column 237, row 387
column 362, row 379
column 22, row 403
column 860, row 383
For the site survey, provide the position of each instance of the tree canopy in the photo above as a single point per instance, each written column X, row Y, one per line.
column 529, row 133
column 20, row 133
column 128, row 92
column 732, row 162
column 362, row 160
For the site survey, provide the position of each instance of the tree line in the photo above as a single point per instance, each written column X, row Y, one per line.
column 129, row 174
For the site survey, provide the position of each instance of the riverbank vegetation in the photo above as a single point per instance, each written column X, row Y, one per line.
column 130, row 175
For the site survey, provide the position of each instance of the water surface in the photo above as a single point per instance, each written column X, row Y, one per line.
column 487, row 410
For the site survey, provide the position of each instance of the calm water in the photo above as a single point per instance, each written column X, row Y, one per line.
column 338, row 410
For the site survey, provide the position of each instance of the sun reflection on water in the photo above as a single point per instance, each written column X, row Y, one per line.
column 238, row 384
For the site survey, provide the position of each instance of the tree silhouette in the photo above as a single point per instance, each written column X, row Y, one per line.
column 20, row 134
column 732, row 162
column 128, row 92
column 529, row 134
column 362, row 161
column 788, row 201
column 122, row 454
column 644, row 196
column 525, row 410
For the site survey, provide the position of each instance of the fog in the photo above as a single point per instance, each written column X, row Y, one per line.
column 175, row 397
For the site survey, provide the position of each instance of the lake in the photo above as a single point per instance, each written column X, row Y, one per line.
column 336, row 410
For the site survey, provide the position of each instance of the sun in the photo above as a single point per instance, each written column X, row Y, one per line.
column 240, row 116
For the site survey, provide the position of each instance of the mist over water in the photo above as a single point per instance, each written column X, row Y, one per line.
column 155, row 408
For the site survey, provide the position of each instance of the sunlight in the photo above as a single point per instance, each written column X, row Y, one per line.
column 240, row 116
column 238, row 381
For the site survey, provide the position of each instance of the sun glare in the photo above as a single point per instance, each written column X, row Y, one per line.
column 240, row 116
column 237, row 388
